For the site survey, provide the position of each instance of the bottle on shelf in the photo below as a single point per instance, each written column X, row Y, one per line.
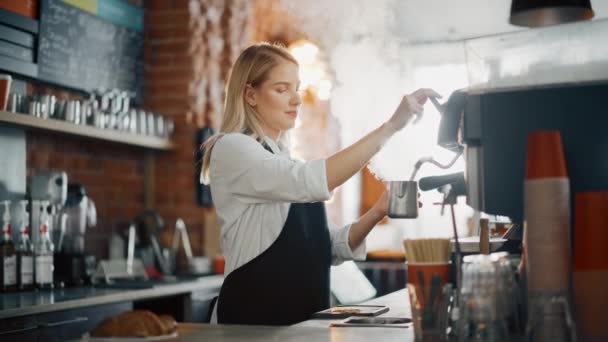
column 25, row 254
column 44, row 252
column 8, row 266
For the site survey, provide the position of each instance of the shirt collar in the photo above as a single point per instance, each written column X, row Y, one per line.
column 276, row 147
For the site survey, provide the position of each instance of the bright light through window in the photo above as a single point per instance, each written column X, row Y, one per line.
column 305, row 52
column 313, row 70
column 324, row 90
column 444, row 79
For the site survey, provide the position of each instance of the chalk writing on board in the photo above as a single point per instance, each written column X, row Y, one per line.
column 79, row 50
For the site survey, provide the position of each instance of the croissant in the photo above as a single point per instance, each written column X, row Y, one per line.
column 137, row 323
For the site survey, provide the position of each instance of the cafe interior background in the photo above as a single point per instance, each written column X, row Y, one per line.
column 357, row 59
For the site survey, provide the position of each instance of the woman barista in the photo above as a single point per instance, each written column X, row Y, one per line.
column 275, row 235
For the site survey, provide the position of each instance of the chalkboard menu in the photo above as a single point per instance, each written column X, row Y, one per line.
column 79, row 50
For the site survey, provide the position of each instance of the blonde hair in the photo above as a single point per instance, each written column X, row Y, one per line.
column 251, row 67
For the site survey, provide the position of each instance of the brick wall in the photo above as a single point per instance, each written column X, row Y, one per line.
column 176, row 59
column 110, row 172
column 168, row 71
column 188, row 50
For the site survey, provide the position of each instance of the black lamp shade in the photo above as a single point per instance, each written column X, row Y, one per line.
column 536, row 13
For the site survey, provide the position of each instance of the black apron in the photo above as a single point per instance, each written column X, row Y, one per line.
column 287, row 282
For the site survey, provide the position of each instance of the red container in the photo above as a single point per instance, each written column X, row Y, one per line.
column 591, row 265
column 427, row 270
column 218, row 264
column 26, row 8
column 5, row 87
column 591, row 231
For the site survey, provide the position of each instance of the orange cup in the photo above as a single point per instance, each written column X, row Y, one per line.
column 591, row 264
column 590, row 302
column 545, row 155
column 590, row 231
column 421, row 274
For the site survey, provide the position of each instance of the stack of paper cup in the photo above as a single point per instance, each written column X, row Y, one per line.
column 590, row 277
column 547, row 217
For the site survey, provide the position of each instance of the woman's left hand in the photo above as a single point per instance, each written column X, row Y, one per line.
column 381, row 206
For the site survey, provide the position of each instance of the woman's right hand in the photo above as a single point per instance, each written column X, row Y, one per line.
column 410, row 106
column 344, row 164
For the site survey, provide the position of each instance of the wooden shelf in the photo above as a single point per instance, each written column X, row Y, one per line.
column 59, row 126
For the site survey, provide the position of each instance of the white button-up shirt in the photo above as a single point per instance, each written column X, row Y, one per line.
column 252, row 190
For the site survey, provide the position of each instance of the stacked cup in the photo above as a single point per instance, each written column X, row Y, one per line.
column 591, row 265
column 547, row 219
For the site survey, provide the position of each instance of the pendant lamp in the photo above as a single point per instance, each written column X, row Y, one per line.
column 537, row 13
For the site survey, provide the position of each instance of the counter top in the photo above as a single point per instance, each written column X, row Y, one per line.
column 35, row 302
column 315, row 329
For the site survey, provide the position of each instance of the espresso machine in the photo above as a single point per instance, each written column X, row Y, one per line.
column 492, row 127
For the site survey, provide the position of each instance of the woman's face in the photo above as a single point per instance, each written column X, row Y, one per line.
column 277, row 99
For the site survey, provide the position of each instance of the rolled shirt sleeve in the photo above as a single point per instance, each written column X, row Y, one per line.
column 257, row 176
column 340, row 249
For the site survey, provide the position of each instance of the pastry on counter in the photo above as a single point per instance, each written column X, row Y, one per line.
column 137, row 323
column 169, row 324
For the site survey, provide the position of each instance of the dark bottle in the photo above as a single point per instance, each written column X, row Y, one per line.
column 25, row 255
column 8, row 267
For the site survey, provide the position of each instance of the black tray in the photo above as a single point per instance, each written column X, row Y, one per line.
column 390, row 322
column 361, row 310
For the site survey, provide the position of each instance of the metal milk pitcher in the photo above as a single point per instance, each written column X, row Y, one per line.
column 403, row 199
